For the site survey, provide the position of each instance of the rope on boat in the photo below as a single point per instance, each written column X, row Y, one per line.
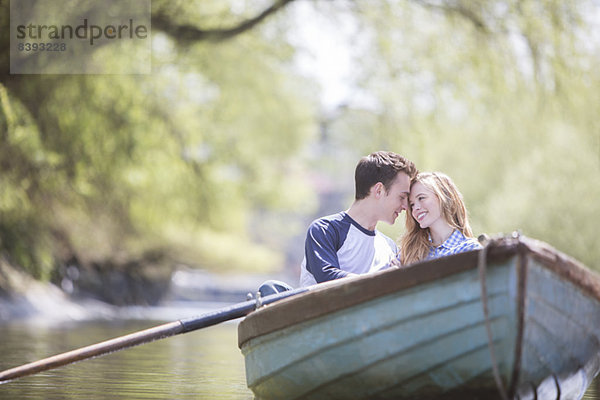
column 481, row 266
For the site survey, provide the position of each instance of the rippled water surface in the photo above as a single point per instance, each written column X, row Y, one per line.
column 205, row 364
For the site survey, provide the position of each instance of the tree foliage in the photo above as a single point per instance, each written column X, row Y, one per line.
column 502, row 96
column 211, row 150
column 113, row 166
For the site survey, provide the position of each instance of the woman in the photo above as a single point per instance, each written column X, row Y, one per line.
column 438, row 224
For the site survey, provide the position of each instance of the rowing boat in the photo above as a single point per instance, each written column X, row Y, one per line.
column 517, row 319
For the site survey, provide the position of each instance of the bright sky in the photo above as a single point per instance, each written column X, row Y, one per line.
column 325, row 50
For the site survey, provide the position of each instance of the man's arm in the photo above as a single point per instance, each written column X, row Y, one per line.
column 321, row 246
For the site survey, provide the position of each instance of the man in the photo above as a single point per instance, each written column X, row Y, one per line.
column 347, row 243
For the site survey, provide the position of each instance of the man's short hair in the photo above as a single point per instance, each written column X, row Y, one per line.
column 381, row 166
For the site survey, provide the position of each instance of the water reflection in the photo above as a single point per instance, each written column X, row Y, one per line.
column 201, row 365
column 592, row 392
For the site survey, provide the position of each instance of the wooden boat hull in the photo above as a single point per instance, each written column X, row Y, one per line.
column 422, row 331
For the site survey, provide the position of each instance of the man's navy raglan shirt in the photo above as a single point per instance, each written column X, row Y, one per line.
column 337, row 246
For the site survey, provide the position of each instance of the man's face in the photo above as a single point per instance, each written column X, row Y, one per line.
column 396, row 198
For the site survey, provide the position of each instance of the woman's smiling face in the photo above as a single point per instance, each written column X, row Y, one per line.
column 424, row 205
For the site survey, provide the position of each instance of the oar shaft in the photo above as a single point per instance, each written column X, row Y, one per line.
column 234, row 311
column 148, row 335
column 98, row 349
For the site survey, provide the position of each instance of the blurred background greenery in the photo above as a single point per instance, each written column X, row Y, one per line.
column 223, row 154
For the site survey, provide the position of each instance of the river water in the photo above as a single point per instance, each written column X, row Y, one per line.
column 204, row 364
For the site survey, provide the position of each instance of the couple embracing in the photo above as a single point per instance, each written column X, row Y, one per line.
column 348, row 243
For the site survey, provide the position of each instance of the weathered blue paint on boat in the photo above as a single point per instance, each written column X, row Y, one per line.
column 420, row 331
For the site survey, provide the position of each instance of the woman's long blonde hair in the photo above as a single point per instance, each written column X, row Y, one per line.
column 414, row 244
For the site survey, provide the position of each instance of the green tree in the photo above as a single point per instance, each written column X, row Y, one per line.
column 502, row 96
column 196, row 159
column 114, row 168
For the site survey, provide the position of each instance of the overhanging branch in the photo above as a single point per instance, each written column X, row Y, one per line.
column 457, row 8
column 190, row 33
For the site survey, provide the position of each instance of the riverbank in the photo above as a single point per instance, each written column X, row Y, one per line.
column 23, row 298
column 186, row 292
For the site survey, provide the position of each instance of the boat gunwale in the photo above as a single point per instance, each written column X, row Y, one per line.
column 333, row 296
column 329, row 297
column 565, row 266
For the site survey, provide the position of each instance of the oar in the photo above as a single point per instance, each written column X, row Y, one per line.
column 145, row 336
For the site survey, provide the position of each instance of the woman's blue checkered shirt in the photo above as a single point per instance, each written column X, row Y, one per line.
column 456, row 243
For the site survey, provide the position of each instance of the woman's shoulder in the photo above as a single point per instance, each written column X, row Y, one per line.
column 469, row 243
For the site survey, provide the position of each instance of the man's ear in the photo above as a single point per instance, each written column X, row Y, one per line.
column 378, row 190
